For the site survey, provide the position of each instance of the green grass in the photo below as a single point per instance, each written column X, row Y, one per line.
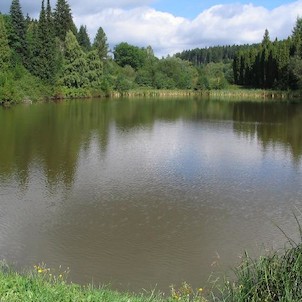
column 271, row 278
column 276, row 276
column 44, row 285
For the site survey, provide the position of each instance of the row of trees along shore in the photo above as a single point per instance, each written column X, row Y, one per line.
column 50, row 57
column 267, row 65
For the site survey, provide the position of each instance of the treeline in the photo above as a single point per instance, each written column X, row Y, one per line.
column 51, row 57
column 276, row 64
column 267, row 65
column 215, row 54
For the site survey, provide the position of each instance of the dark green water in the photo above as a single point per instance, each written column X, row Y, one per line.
column 139, row 193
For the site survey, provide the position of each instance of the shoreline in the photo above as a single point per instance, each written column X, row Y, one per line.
column 246, row 94
column 272, row 276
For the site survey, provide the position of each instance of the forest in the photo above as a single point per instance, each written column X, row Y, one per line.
column 50, row 57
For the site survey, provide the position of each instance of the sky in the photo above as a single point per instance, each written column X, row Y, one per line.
column 170, row 26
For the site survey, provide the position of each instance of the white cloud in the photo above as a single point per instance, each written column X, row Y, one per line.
column 220, row 24
column 140, row 26
column 136, row 23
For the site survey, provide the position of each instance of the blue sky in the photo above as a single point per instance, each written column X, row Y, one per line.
column 170, row 26
column 190, row 9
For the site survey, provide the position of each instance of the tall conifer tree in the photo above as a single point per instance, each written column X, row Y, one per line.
column 100, row 44
column 75, row 64
column 17, row 36
column 296, row 48
column 63, row 21
column 83, row 38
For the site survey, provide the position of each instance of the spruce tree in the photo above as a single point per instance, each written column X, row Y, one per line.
column 33, row 45
column 94, row 69
column 100, row 44
column 17, row 35
column 46, row 45
column 296, row 49
column 5, row 52
column 83, row 38
column 50, row 20
column 75, row 64
column 63, row 21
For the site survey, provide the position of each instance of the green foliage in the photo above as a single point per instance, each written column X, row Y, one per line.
column 180, row 72
column 296, row 47
column 100, row 44
column 43, row 284
column 94, row 69
column 17, row 85
column 75, row 64
column 126, row 54
column 5, row 52
column 106, row 85
column 52, row 50
column 123, row 84
column 216, row 54
column 17, row 34
column 83, row 38
column 44, row 65
column 213, row 76
column 63, row 21
column 271, row 278
column 271, row 64
column 295, row 72
column 169, row 73
column 8, row 91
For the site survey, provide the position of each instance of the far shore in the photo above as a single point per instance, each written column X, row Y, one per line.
column 227, row 94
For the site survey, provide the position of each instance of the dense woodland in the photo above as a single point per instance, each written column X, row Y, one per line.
column 51, row 57
column 268, row 65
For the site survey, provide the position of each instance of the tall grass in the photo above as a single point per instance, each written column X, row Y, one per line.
column 274, row 277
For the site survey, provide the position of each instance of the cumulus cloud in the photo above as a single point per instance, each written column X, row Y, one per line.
column 137, row 23
column 140, row 26
column 218, row 25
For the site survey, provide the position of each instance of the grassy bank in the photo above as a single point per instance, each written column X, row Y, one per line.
column 42, row 284
column 274, row 277
column 39, row 94
column 232, row 92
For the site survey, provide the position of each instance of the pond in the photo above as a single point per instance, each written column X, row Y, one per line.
column 145, row 193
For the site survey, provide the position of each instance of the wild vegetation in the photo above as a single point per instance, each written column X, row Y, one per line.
column 50, row 57
column 267, row 65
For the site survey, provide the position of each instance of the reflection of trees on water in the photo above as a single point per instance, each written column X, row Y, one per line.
column 53, row 135
column 271, row 123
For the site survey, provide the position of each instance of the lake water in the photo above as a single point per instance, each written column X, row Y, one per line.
column 147, row 193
